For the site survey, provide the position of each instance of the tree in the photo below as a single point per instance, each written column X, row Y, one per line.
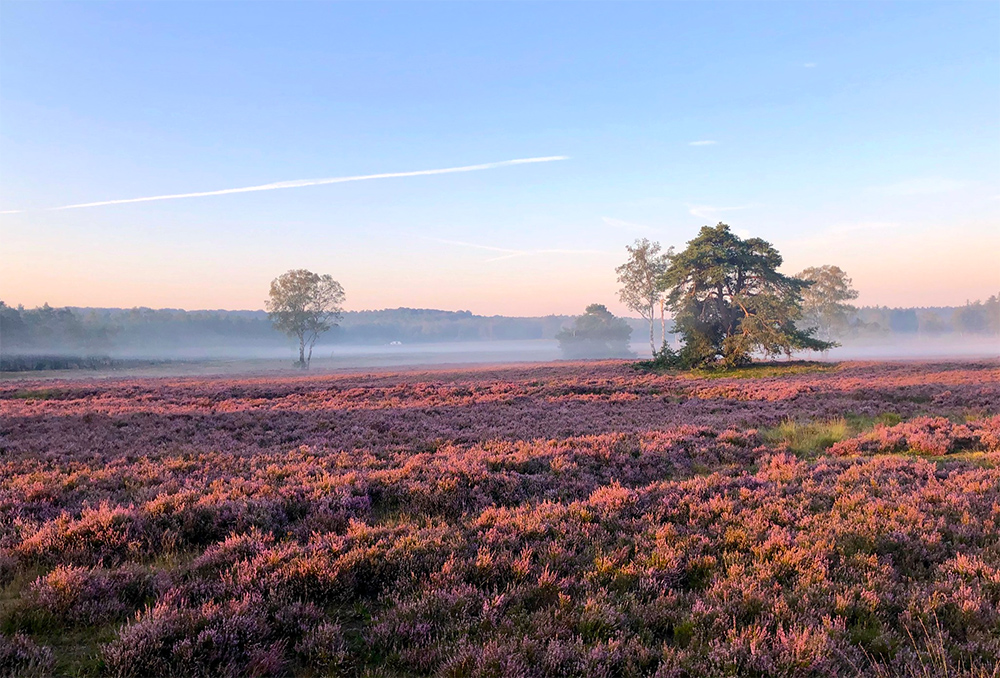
column 303, row 305
column 13, row 330
column 992, row 307
column 823, row 302
column 596, row 334
column 972, row 318
column 729, row 300
column 639, row 277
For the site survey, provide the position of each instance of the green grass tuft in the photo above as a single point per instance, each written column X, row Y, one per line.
column 768, row 369
column 808, row 439
column 38, row 394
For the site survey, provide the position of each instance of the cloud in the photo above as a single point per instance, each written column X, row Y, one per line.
column 507, row 253
column 923, row 186
column 301, row 183
column 709, row 212
column 628, row 225
column 705, row 142
column 809, row 64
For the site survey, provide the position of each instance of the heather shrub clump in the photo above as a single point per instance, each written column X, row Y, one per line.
column 20, row 656
column 925, row 435
column 69, row 597
column 571, row 520
column 232, row 638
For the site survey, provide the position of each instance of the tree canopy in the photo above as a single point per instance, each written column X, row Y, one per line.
column 729, row 300
column 303, row 305
column 978, row 317
column 596, row 334
column 824, row 301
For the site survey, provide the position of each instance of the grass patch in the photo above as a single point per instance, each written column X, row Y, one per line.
column 38, row 394
column 10, row 595
column 753, row 371
column 77, row 651
column 860, row 423
column 809, row 439
column 768, row 369
column 974, row 457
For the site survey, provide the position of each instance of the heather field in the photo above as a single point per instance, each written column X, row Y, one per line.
column 571, row 519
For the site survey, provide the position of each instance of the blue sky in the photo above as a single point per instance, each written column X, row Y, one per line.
column 865, row 135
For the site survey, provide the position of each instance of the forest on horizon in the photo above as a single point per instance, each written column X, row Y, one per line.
column 82, row 330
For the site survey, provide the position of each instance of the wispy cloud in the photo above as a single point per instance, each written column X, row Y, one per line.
column 922, row 186
column 704, row 142
column 301, row 183
column 623, row 225
column 507, row 253
column 709, row 212
column 809, row 64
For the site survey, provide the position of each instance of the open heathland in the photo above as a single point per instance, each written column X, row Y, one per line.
column 573, row 519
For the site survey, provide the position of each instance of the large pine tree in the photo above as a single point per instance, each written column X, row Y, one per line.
column 729, row 300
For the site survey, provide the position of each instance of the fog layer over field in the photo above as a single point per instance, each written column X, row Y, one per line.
column 893, row 347
column 244, row 341
column 906, row 348
column 330, row 357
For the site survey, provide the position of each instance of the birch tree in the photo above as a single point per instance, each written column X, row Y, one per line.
column 639, row 278
column 303, row 305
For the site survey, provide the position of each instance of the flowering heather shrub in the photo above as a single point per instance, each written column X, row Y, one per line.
column 232, row 638
column 102, row 535
column 568, row 520
column 925, row 435
column 76, row 595
column 21, row 657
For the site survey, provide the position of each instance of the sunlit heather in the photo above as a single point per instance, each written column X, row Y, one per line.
column 500, row 340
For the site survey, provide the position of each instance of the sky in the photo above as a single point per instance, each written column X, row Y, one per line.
column 865, row 135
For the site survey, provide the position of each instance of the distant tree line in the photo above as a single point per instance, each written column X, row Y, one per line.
column 96, row 331
column 102, row 331
column 974, row 318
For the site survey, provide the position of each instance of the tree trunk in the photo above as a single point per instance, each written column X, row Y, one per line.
column 302, row 351
column 652, row 319
column 663, row 323
column 310, row 356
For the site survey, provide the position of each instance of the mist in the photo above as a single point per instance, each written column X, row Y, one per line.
column 79, row 341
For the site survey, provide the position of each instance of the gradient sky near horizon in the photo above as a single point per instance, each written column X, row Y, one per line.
column 865, row 135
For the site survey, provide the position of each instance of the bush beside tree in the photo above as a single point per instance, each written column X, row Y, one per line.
column 596, row 334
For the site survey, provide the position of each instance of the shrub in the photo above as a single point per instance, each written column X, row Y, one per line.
column 228, row 639
column 20, row 657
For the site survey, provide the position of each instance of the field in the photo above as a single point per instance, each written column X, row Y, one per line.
column 552, row 520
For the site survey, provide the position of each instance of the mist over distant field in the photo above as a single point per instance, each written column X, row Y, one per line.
column 197, row 342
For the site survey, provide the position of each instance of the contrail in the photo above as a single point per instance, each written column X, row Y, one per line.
column 308, row 182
